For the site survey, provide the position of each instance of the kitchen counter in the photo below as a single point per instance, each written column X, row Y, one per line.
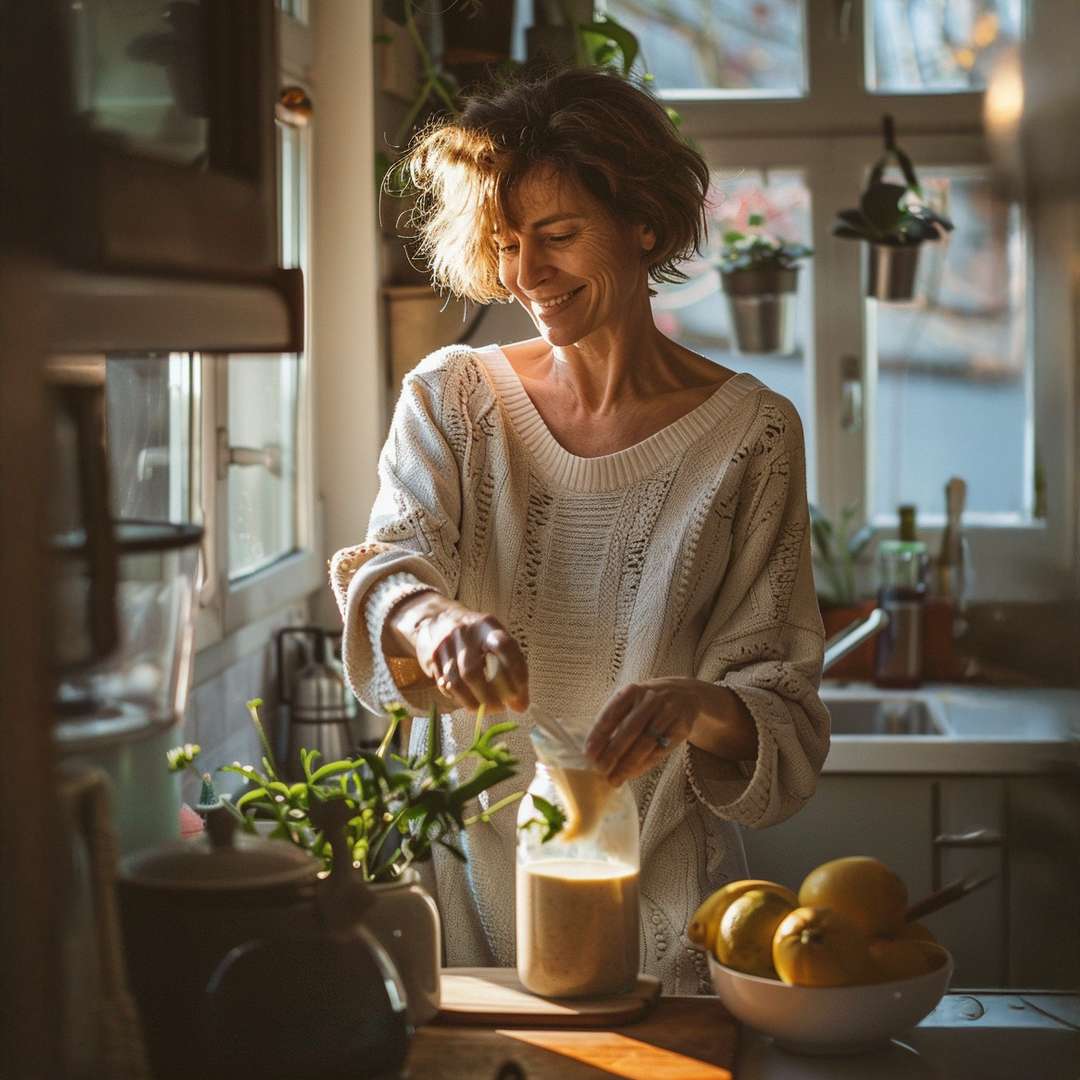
column 982, row 730
column 970, row 1036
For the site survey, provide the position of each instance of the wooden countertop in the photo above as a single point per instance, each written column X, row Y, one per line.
column 683, row 1038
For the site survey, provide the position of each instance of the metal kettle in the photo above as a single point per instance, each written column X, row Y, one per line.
column 319, row 705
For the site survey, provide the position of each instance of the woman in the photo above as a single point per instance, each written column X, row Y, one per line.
column 621, row 522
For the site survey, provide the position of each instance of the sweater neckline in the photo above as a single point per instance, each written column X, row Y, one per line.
column 609, row 471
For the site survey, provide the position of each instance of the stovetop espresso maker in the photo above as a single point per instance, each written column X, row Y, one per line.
column 317, row 709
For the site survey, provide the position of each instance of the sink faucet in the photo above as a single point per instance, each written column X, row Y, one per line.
column 852, row 636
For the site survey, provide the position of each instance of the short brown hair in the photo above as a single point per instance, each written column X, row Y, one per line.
column 610, row 135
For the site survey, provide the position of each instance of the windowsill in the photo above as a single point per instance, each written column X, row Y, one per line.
column 214, row 660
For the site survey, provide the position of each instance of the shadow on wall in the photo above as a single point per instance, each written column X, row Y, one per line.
column 1029, row 642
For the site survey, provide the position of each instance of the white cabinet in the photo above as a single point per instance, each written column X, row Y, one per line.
column 1022, row 928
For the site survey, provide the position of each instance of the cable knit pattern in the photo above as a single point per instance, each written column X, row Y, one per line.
column 687, row 554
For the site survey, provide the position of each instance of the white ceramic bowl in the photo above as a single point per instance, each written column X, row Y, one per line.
column 829, row 1019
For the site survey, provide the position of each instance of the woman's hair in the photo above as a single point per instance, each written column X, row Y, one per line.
column 612, row 137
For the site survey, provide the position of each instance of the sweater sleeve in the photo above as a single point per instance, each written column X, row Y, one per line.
column 411, row 544
column 764, row 639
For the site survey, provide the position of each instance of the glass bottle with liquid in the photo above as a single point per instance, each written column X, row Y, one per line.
column 898, row 652
column 578, row 920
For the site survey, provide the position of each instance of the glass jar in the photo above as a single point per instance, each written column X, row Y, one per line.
column 898, row 655
column 578, row 920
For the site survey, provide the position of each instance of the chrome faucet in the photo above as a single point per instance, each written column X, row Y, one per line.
column 852, row 636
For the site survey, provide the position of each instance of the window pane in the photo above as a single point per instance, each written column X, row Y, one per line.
column 262, row 454
column 719, row 48
column 937, row 45
column 149, row 401
column 696, row 313
column 138, row 74
column 953, row 392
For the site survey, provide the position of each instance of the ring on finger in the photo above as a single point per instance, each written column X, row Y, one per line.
column 660, row 737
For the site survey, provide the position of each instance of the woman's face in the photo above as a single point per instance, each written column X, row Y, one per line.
column 573, row 267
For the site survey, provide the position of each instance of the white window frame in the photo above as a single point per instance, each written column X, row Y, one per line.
column 832, row 136
column 234, row 616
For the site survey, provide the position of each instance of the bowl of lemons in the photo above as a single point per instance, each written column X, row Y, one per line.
column 837, row 968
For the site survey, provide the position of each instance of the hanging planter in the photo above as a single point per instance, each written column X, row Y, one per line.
column 760, row 281
column 895, row 221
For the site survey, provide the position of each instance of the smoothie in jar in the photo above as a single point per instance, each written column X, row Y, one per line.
column 577, row 927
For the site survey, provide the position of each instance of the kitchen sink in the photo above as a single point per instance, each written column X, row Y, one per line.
column 869, row 716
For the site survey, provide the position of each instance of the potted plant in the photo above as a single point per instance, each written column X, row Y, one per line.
column 759, row 276
column 398, row 810
column 836, row 553
column 895, row 220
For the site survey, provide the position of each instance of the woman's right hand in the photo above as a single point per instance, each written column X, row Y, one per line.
column 452, row 644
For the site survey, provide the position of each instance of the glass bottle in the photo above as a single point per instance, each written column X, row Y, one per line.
column 578, row 921
column 898, row 653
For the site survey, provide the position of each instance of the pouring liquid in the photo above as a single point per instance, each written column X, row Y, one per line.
column 587, row 796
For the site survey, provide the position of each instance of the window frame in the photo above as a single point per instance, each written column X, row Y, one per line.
column 232, row 612
column 832, row 136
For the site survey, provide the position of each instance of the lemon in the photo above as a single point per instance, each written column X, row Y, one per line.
column 912, row 930
column 817, row 946
column 745, row 935
column 874, row 897
column 905, row 958
column 706, row 921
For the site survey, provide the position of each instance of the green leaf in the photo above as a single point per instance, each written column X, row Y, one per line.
column 332, row 768
column 880, row 205
column 554, row 820
column 848, row 233
column 609, row 30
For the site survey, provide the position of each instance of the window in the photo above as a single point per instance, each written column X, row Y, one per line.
column 953, row 390
column 694, row 313
column 257, row 434
column 920, row 46
column 225, row 441
column 719, row 48
column 974, row 377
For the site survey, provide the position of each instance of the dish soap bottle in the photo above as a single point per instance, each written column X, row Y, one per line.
column 898, row 653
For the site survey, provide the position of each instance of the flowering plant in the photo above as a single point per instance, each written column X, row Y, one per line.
column 755, row 249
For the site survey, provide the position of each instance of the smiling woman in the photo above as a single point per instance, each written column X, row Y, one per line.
column 619, row 521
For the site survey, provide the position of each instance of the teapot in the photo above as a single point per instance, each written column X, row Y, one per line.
column 227, row 934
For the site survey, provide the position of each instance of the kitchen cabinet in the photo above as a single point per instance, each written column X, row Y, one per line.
column 1021, row 928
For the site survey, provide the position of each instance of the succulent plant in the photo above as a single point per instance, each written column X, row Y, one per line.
column 836, row 552
column 891, row 213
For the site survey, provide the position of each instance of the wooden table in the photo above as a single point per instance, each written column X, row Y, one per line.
column 683, row 1038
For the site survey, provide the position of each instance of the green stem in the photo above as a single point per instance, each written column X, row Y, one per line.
column 395, row 719
column 432, row 81
column 253, row 708
column 486, row 814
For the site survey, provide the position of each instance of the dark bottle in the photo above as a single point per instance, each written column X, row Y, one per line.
column 898, row 652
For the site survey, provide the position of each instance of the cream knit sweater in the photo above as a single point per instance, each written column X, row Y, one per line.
column 686, row 554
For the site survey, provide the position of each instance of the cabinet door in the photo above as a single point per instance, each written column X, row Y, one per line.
column 1044, row 882
column 969, row 843
column 888, row 817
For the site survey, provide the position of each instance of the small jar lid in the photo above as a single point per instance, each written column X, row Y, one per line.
column 221, row 860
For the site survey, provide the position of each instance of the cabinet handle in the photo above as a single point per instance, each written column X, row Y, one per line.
column 975, row 838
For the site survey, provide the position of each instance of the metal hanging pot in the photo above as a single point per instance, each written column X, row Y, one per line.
column 762, row 307
column 891, row 271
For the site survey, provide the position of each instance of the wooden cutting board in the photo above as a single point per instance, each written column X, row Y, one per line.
column 682, row 1038
column 494, row 997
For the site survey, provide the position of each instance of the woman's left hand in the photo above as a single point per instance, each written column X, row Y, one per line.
column 640, row 725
